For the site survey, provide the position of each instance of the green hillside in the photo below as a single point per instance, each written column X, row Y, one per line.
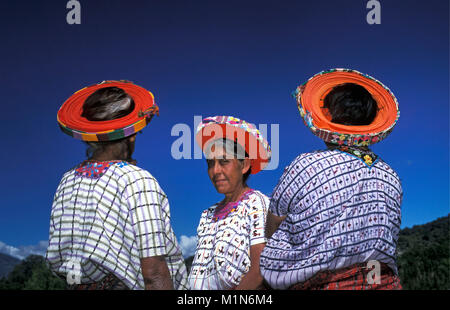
column 424, row 256
column 31, row 274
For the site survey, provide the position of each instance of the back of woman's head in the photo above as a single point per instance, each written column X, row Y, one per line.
column 351, row 104
column 107, row 104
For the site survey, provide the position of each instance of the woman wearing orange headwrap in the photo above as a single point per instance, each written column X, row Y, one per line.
column 335, row 214
column 231, row 232
column 110, row 220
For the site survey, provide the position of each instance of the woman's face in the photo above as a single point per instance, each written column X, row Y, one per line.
column 225, row 171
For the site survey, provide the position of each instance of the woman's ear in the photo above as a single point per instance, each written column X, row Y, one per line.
column 246, row 165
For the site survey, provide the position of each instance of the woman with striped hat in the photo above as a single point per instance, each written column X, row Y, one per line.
column 231, row 232
column 110, row 220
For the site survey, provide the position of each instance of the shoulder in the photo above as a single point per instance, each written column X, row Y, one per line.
column 257, row 197
column 384, row 165
column 71, row 171
column 128, row 172
column 310, row 160
column 66, row 183
column 306, row 159
column 388, row 172
column 207, row 213
column 317, row 156
column 131, row 176
column 210, row 209
column 68, row 177
column 257, row 201
column 124, row 169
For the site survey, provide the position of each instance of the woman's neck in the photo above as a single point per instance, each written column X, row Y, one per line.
column 108, row 155
column 104, row 158
column 234, row 196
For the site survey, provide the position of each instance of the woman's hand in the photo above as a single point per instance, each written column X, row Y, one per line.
column 156, row 273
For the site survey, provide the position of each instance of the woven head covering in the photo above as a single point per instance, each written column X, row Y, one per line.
column 310, row 100
column 234, row 129
column 72, row 123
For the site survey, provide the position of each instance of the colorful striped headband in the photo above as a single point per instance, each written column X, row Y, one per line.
column 234, row 129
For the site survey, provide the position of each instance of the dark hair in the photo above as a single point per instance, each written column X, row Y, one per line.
column 351, row 104
column 246, row 175
column 107, row 104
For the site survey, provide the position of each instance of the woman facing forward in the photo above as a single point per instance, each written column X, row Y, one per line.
column 231, row 232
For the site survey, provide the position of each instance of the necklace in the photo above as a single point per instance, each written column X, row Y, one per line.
column 366, row 155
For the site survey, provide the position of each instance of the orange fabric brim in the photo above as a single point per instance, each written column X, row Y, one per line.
column 70, row 112
column 319, row 86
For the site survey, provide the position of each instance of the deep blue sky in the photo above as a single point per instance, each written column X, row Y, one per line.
column 242, row 58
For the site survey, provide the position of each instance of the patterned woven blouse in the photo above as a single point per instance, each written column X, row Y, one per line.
column 222, row 257
column 105, row 217
column 342, row 208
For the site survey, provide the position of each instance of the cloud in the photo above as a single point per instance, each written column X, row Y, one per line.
column 188, row 245
column 23, row 251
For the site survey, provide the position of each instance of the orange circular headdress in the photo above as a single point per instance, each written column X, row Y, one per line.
column 310, row 100
column 72, row 123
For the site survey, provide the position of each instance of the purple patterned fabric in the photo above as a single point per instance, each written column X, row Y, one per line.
column 340, row 211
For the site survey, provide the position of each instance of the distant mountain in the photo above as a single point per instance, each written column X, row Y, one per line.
column 424, row 256
column 7, row 264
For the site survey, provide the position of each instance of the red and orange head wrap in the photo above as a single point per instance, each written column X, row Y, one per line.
column 72, row 122
column 243, row 133
column 310, row 100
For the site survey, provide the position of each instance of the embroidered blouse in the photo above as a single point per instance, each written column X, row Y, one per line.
column 222, row 257
column 342, row 207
